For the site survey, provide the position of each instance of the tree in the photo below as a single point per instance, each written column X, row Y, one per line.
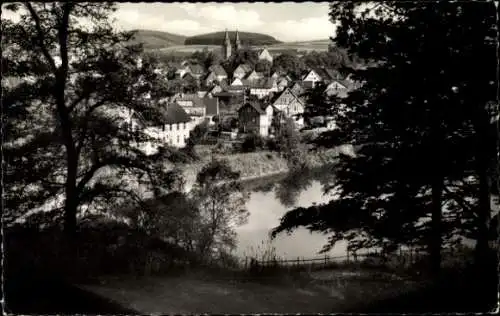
column 417, row 120
column 221, row 201
column 290, row 64
column 288, row 142
column 68, row 147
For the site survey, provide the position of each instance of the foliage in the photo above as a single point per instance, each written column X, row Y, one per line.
column 217, row 38
column 242, row 56
column 425, row 140
column 252, row 142
column 206, row 58
column 221, row 201
column 289, row 63
column 67, row 147
column 289, row 144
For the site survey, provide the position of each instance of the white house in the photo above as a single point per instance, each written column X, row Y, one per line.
column 174, row 130
column 310, row 79
column 290, row 105
column 265, row 55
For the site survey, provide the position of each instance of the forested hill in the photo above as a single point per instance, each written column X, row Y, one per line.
column 157, row 39
column 217, row 38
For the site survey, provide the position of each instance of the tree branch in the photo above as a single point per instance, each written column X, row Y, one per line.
column 457, row 199
column 41, row 38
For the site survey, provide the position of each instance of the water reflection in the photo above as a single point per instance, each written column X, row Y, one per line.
column 271, row 198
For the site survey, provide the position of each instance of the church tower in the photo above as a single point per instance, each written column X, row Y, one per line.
column 226, row 47
column 237, row 42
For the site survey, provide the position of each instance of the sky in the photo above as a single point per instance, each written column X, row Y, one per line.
column 286, row 21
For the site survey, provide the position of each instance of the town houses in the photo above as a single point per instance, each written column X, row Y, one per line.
column 255, row 99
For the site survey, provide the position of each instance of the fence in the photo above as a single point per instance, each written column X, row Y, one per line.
column 396, row 261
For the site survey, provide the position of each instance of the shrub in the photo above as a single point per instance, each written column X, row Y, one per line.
column 252, row 142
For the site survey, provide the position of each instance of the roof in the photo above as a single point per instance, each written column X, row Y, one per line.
column 212, row 106
column 174, row 114
column 256, row 106
column 328, row 73
column 307, row 72
column 211, row 74
column 265, row 83
column 297, row 88
column 244, row 67
column 293, row 94
column 196, row 69
column 218, row 70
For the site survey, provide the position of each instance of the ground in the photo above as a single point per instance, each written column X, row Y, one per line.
column 325, row 292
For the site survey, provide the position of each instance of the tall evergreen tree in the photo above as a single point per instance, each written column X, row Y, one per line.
column 420, row 122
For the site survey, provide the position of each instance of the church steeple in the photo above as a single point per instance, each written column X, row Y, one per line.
column 237, row 42
column 226, row 46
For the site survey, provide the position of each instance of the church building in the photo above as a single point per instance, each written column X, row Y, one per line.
column 227, row 47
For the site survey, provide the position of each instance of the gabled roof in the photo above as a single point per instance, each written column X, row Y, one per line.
column 174, row 114
column 256, row 106
column 291, row 92
column 336, row 81
column 308, row 72
column 218, row 70
column 196, row 69
column 244, row 67
column 328, row 73
column 253, row 72
column 297, row 88
column 211, row 75
column 187, row 75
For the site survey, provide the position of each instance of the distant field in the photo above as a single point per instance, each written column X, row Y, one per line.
column 319, row 45
column 188, row 48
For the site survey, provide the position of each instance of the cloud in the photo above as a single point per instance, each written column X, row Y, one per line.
column 224, row 16
column 303, row 29
column 134, row 19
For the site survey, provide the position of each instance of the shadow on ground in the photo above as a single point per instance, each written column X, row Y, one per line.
column 39, row 295
column 452, row 295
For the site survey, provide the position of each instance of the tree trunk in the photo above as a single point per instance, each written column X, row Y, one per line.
column 436, row 227
column 437, row 187
column 484, row 207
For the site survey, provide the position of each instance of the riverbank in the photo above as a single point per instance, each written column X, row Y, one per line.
column 261, row 164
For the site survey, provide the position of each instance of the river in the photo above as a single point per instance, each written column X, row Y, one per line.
column 269, row 200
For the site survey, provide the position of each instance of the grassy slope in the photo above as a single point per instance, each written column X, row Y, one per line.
column 206, row 292
column 157, row 39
